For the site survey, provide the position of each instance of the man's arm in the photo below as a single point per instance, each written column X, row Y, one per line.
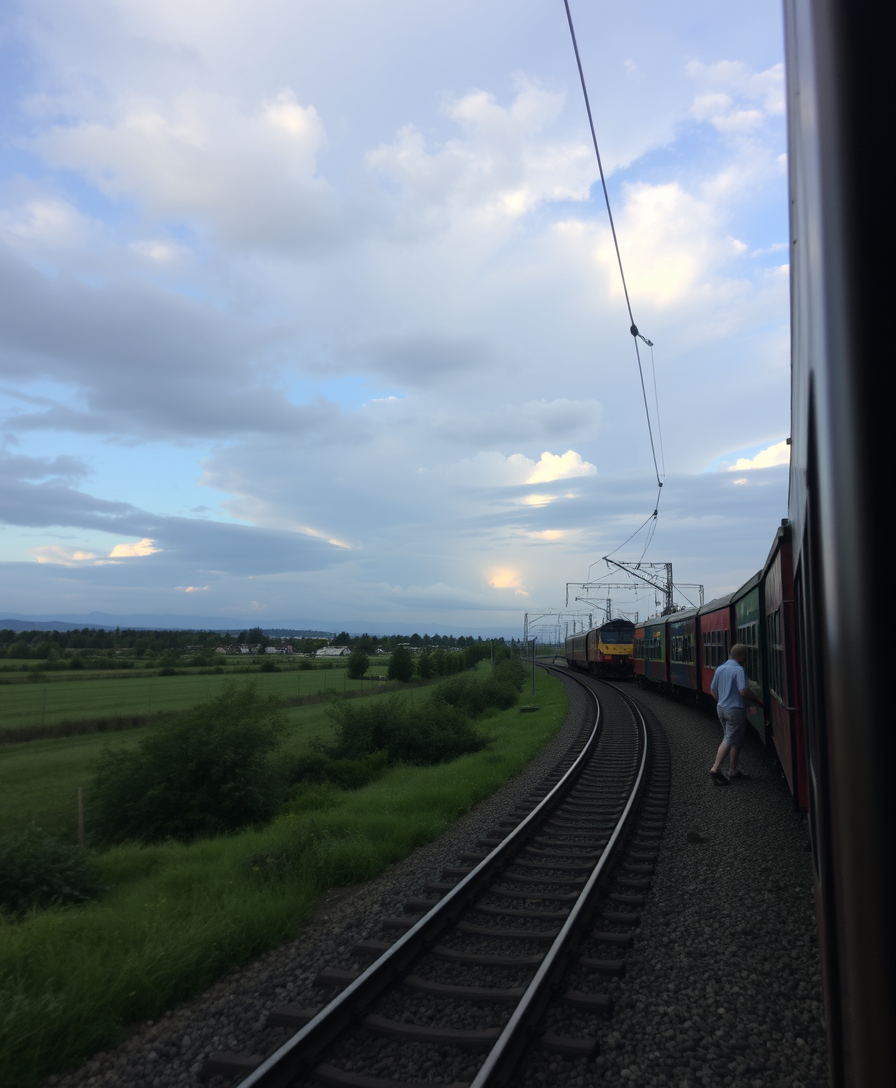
column 748, row 695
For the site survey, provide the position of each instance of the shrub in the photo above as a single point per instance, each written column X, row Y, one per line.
column 268, row 666
column 423, row 733
column 474, row 695
column 38, row 871
column 401, row 664
column 358, row 663
column 513, row 670
column 206, row 772
column 318, row 768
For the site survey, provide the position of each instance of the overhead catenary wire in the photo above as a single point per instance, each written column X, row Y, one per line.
column 636, row 334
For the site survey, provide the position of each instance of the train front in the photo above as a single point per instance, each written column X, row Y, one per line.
column 614, row 650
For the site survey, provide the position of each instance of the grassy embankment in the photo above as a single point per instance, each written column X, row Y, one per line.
column 177, row 917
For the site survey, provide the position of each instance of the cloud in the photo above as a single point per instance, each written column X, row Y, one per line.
column 505, row 578
column 248, row 179
column 192, row 589
column 560, row 467
column 142, row 547
column 501, row 168
column 739, row 100
column 778, row 454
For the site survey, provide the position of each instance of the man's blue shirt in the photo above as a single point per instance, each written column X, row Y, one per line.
column 728, row 682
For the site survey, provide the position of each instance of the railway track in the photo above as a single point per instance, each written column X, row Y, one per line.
column 507, row 956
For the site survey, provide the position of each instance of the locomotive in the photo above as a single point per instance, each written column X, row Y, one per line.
column 605, row 651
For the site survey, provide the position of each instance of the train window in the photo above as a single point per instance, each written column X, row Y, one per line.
column 715, row 648
column 683, row 649
column 776, row 663
column 748, row 634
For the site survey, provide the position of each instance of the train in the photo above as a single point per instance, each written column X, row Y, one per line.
column 679, row 653
column 816, row 609
column 604, row 651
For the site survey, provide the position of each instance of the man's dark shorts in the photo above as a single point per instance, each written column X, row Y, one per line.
column 734, row 723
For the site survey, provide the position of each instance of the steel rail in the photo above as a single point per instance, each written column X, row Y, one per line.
column 499, row 1063
column 296, row 1055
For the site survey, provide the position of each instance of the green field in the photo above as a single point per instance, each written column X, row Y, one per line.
column 39, row 780
column 72, row 696
column 176, row 917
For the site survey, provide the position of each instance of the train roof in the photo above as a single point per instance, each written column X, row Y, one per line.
column 746, row 587
column 685, row 614
column 716, row 603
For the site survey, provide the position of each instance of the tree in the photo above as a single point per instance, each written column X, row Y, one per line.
column 357, row 663
column 426, row 665
column 204, row 773
column 401, row 664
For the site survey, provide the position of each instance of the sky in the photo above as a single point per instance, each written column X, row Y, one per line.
column 310, row 314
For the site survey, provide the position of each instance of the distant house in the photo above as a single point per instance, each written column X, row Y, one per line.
column 278, row 649
column 333, row 651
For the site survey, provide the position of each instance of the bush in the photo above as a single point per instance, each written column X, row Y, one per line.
column 358, row 663
column 38, row 871
column 422, row 733
column 318, row 768
column 401, row 664
column 512, row 670
column 268, row 666
column 206, row 772
column 474, row 696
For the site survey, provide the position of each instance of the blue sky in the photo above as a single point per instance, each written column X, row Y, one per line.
column 311, row 312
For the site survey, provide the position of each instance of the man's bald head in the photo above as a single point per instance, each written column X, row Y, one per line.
column 739, row 652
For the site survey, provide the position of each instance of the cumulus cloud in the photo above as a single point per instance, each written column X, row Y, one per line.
column 501, row 168
column 778, row 454
column 560, row 467
column 249, row 179
column 371, row 327
column 737, row 100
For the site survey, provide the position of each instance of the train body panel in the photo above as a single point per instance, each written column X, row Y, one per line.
column 682, row 641
column 839, row 84
column 649, row 652
column 781, row 658
column 714, row 640
column 747, row 629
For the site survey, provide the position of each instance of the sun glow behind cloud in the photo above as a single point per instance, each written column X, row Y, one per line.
column 507, row 578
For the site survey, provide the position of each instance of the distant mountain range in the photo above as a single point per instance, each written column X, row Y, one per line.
column 106, row 621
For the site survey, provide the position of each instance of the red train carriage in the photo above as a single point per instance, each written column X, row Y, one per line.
column 747, row 609
column 713, row 639
column 780, row 649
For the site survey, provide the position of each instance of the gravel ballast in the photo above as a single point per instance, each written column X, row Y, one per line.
column 722, row 985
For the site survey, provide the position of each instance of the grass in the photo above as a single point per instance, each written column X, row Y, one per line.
column 39, row 780
column 177, row 917
column 68, row 697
